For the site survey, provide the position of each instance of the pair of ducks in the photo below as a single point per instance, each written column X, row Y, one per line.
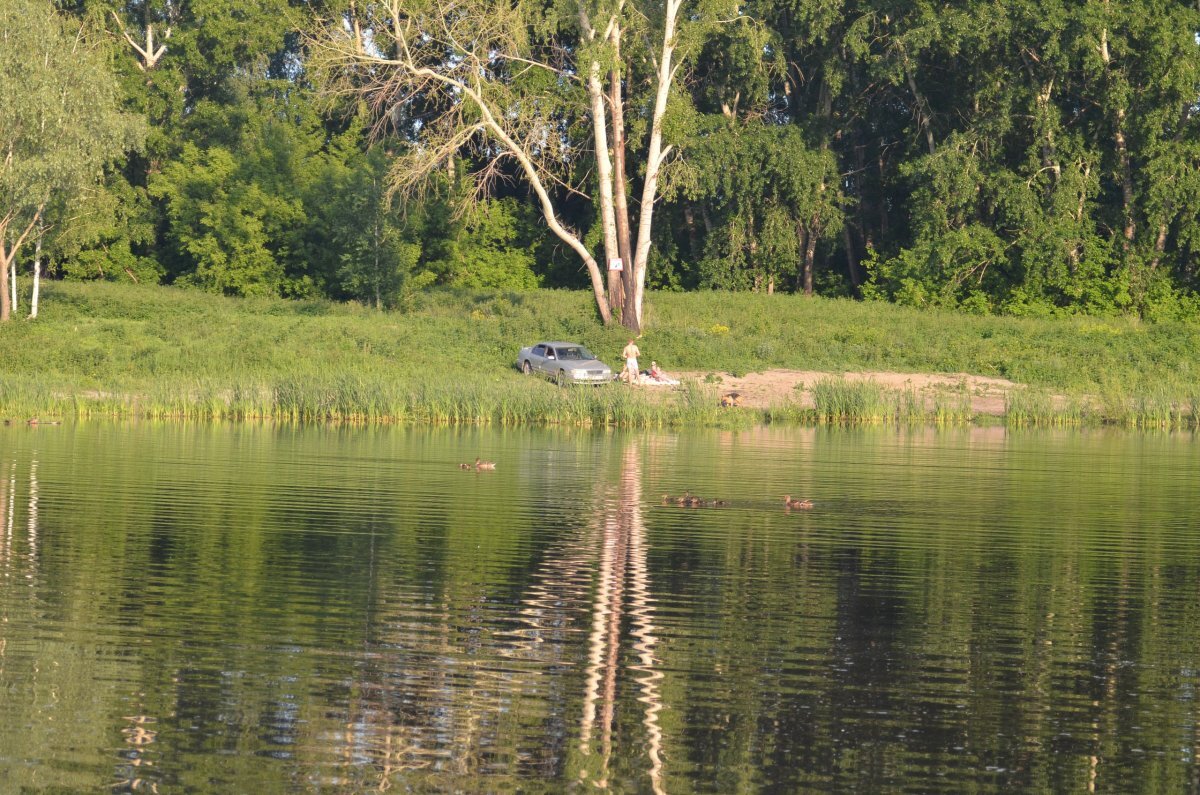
column 689, row 500
column 479, row 465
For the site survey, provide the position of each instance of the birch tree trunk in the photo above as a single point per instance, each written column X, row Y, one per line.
column 8, row 260
column 6, row 256
column 1160, row 246
column 616, row 105
column 1076, row 249
column 37, row 277
column 1126, row 177
column 604, row 167
column 655, row 156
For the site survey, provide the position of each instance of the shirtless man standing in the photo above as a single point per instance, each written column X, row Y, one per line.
column 631, row 353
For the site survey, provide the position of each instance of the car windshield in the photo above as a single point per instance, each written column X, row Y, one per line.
column 575, row 353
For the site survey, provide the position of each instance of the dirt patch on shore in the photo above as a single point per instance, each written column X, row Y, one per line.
column 775, row 387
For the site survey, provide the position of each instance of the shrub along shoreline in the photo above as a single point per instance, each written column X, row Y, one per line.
column 107, row 350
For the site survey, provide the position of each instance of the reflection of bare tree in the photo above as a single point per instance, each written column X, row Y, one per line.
column 10, row 527
column 435, row 697
column 10, row 558
column 5, row 554
column 563, row 578
column 8, row 499
column 7, row 488
column 623, row 570
column 449, row 692
column 603, row 641
column 32, row 521
column 643, row 619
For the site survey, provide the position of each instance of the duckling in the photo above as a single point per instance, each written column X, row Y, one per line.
column 694, row 502
column 803, row 505
column 480, row 464
column 464, row 466
column 720, row 503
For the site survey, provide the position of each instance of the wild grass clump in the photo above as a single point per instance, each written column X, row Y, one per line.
column 27, row 397
column 1030, row 407
column 1160, row 409
column 952, row 407
column 839, row 400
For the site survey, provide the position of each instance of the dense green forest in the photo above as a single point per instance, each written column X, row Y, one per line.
column 1032, row 157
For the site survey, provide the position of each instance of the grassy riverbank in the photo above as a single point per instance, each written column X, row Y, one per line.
column 102, row 349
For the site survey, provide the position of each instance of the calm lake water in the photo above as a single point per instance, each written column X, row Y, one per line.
column 215, row 608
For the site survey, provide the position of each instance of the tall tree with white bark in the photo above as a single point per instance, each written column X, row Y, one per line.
column 60, row 120
column 535, row 91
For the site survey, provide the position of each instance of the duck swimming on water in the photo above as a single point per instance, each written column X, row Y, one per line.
column 683, row 500
column 481, row 464
column 803, row 505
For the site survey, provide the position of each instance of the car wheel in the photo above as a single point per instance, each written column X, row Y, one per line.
column 561, row 378
column 526, row 369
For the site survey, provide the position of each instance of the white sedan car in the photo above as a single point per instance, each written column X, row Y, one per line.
column 565, row 362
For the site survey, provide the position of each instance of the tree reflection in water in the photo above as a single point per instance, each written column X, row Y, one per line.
column 623, row 588
column 13, row 563
column 452, row 690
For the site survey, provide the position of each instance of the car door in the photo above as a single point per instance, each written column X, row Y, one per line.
column 537, row 358
column 550, row 362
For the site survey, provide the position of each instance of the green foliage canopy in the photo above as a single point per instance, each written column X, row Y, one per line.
column 1037, row 157
column 60, row 120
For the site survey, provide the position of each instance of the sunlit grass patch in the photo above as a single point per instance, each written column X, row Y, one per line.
column 121, row 350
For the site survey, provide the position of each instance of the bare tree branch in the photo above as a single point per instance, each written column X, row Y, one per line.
column 150, row 56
